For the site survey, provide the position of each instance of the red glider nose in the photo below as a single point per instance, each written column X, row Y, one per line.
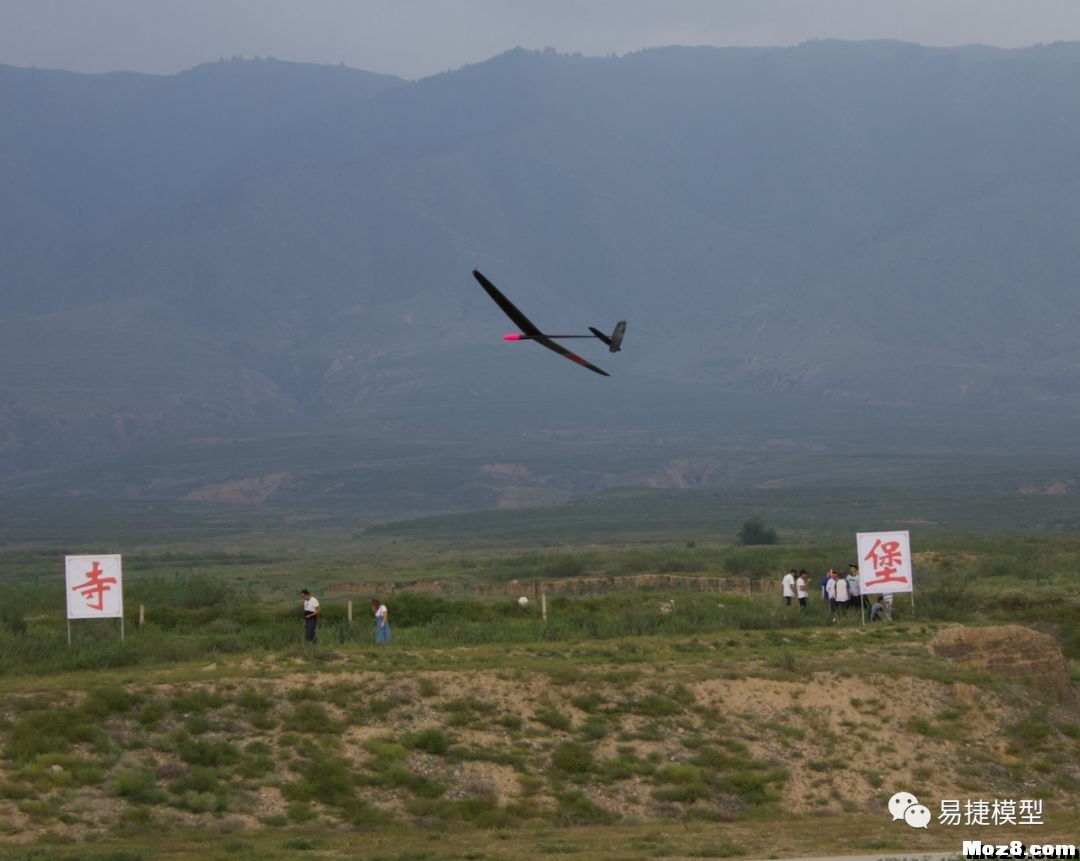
column 511, row 337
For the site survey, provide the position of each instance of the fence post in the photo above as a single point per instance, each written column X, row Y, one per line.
column 543, row 606
column 348, row 611
column 142, row 615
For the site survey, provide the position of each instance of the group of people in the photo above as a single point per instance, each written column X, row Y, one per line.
column 838, row 592
column 312, row 610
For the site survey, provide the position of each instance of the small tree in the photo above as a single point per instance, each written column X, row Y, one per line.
column 754, row 531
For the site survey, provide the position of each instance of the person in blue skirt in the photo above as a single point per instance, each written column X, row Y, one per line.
column 382, row 623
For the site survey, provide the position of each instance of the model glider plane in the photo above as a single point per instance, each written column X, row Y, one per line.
column 529, row 331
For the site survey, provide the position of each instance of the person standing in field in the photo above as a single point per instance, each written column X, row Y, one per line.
column 842, row 594
column 853, row 586
column 311, row 614
column 382, row 623
column 788, row 586
column 829, row 588
column 856, row 591
column 801, row 587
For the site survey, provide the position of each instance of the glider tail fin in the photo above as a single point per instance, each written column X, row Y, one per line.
column 617, row 336
column 614, row 341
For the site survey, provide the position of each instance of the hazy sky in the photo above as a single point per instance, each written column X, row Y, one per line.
column 413, row 38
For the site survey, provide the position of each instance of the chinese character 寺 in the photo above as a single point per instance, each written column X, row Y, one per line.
column 885, row 557
column 96, row 585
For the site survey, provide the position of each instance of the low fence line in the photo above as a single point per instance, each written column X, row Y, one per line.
column 567, row 586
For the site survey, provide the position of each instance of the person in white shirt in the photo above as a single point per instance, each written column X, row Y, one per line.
column 382, row 623
column 311, row 614
column 801, row 587
column 853, row 585
column 788, row 585
column 843, row 596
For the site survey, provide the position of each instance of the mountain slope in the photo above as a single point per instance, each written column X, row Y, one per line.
column 263, row 244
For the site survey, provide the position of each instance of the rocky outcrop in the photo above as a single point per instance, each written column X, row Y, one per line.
column 1011, row 651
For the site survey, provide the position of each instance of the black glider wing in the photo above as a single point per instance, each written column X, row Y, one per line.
column 527, row 326
column 573, row 357
column 509, row 308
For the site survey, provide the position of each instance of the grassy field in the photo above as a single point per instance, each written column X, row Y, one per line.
column 609, row 730
column 657, row 744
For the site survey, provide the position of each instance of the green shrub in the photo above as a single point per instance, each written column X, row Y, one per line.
column 684, row 783
column 553, row 718
column 105, row 701
column 200, row 590
column 588, row 702
column 300, row 811
column 427, row 688
column 257, row 760
column 618, row 768
column 653, row 705
column 754, row 531
column 201, row 802
column 310, row 718
column 594, row 727
column 720, row 850
column 685, row 793
column 198, row 779
column 151, row 714
column 12, row 618
column 251, row 700
column 429, row 740
column 323, row 778
column 42, row 770
column 395, row 774
column 209, row 753
column 52, row 731
column 385, row 750
column 302, row 844
column 467, row 710
column 196, row 702
column 680, row 774
column 751, row 786
column 1029, row 733
column 576, row 808
column 572, row 758
column 708, row 757
column 137, row 785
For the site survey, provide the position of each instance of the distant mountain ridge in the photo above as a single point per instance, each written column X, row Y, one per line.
column 256, row 244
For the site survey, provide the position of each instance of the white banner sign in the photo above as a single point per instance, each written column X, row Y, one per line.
column 884, row 562
column 94, row 587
